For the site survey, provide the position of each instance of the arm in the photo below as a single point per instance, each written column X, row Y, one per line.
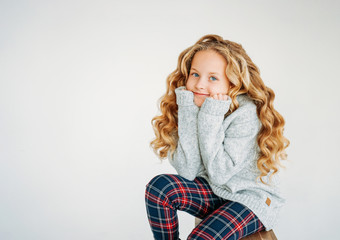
column 226, row 151
column 186, row 159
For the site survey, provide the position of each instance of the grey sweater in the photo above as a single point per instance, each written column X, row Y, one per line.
column 224, row 151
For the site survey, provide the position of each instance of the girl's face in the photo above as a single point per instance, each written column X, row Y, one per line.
column 207, row 76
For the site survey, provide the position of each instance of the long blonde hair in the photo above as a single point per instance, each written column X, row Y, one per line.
column 244, row 77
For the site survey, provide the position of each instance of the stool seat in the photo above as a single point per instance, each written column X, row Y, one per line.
column 263, row 235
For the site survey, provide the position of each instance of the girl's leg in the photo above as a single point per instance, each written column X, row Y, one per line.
column 167, row 193
column 232, row 220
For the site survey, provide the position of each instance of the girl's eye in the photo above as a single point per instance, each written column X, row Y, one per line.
column 195, row 74
column 213, row 78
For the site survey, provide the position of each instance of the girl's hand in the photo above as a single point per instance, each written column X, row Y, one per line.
column 220, row 96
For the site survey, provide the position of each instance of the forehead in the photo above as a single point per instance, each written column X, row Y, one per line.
column 209, row 59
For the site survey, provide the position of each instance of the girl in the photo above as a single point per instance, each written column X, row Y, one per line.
column 221, row 133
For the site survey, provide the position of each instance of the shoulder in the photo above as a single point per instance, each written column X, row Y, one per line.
column 243, row 121
column 247, row 110
column 244, row 117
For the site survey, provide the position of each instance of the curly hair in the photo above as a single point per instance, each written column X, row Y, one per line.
column 244, row 77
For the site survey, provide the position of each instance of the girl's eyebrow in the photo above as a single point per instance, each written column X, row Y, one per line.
column 212, row 73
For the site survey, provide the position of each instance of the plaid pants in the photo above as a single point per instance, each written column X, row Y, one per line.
column 222, row 219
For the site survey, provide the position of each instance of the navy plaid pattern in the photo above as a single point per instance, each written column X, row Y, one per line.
column 222, row 219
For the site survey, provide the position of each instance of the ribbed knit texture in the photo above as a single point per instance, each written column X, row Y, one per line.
column 224, row 151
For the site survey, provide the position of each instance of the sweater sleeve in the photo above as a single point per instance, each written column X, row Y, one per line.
column 186, row 158
column 225, row 151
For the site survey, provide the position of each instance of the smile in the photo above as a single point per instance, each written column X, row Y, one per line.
column 202, row 94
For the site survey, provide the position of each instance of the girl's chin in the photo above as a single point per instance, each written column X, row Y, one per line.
column 199, row 101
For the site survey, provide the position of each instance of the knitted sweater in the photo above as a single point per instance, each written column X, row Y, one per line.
column 224, row 151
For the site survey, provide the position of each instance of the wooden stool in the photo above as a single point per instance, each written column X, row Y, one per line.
column 263, row 235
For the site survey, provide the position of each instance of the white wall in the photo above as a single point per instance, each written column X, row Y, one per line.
column 79, row 82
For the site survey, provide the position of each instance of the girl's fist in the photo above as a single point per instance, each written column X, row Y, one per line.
column 220, row 96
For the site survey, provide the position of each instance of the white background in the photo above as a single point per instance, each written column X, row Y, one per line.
column 79, row 84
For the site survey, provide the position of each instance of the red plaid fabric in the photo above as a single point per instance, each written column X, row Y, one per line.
column 222, row 219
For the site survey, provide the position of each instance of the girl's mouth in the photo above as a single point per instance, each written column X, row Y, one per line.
column 201, row 94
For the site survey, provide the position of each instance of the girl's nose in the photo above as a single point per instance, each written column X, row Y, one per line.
column 200, row 84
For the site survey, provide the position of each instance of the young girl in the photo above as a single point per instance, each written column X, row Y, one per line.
column 221, row 133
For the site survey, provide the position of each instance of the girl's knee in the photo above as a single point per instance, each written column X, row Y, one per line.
column 159, row 182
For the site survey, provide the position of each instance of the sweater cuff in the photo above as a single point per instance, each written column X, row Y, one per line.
column 184, row 97
column 215, row 107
